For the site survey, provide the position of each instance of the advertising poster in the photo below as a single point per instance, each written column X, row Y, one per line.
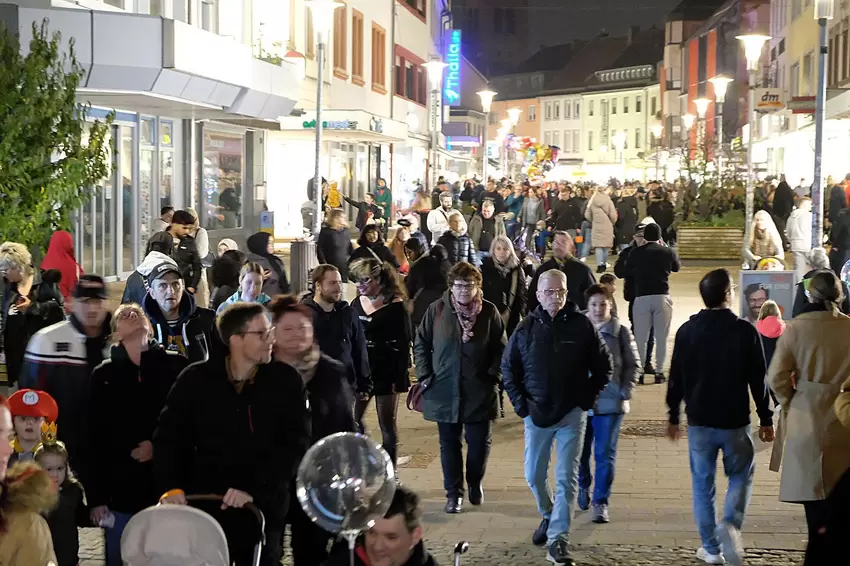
column 759, row 286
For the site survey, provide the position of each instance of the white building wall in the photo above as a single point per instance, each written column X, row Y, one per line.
column 560, row 124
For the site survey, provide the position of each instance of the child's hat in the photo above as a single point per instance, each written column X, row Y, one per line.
column 32, row 403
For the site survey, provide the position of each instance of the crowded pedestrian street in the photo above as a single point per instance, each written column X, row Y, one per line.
column 651, row 512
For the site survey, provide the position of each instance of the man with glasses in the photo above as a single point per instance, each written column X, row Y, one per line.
column 579, row 276
column 716, row 358
column 178, row 323
column 236, row 426
column 553, row 368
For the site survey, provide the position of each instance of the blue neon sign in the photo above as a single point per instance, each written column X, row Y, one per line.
column 451, row 88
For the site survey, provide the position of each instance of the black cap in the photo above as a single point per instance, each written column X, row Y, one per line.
column 162, row 269
column 652, row 232
column 90, row 287
column 404, row 222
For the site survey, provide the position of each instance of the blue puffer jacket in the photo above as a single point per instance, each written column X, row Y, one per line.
column 552, row 366
column 614, row 399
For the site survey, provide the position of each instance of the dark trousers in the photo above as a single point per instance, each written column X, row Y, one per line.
column 240, row 528
column 478, row 439
column 650, row 343
column 309, row 541
column 387, row 408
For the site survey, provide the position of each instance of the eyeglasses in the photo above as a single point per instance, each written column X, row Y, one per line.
column 554, row 292
column 464, row 286
column 363, row 281
column 263, row 334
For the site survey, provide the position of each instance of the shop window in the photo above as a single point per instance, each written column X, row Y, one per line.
column 166, row 163
column 224, row 162
column 357, row 48
column 379, row 59
column 341, row 42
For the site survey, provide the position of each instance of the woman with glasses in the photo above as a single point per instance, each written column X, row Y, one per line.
column 380, row 306
column 458, row 350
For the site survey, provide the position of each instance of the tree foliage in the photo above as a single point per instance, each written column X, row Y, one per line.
column 50, row 159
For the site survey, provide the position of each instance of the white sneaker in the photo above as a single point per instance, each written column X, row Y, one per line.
column 703, row 555
column 730, row 543
column 583, row 259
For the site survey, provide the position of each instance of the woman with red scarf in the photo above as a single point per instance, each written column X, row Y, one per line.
column 60, row 256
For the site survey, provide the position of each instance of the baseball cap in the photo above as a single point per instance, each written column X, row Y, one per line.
column 90, row 287
column 162, row 269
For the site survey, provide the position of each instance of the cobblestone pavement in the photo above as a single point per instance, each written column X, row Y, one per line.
column 651, row 517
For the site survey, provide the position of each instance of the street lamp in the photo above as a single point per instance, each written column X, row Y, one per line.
column 823, row 12
column 513, row 114
column 486, row 102
column 323, row 13
column 435, row 76
column 753, row 45
column 507, row 125
column 702, row 105
column 720, row 84
column 657, row 131
column 688, row 121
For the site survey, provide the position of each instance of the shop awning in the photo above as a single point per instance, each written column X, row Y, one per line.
column 163, row 66
column 346, row 125
column 456, row 155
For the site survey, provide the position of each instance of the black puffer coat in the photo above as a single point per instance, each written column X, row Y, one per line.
column 627, row 219
column 426, row 282
column 334, row 248
column 459, row 248
column 498, row 287
column 553, row 366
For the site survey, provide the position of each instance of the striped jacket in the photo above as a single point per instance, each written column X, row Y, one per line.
column 56, row 361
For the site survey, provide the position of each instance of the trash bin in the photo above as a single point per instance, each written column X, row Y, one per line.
column 302, row 262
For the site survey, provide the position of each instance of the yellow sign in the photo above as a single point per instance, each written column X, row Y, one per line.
column 579, row 174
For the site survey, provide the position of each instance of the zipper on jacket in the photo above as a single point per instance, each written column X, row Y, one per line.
column 250, row 419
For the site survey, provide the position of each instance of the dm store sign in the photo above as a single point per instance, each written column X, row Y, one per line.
column 451, row 90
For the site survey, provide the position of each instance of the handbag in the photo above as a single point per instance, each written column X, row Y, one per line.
column 415, row 397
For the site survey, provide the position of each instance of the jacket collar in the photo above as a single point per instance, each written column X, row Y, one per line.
column 542, row 314
column 612, row 327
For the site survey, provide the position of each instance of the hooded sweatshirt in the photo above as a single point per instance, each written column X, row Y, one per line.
column 236, row 297
column 137, row 283
column 770, row 329
column 191, row 335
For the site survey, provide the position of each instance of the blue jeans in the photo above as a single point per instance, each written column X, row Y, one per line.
column 113, row 539
column 738, row 465
column 602, row 256
column 586, row 231
column 568, row 435
column 602, row 434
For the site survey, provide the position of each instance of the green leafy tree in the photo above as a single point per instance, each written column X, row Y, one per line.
column 50, row 158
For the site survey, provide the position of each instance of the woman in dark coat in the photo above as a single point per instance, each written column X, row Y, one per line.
column 427, row 279
column 381, row 307
column 371, row 246
column 261, row 250
column 504, row 282
column 334, row 244
column 457, row 352
column 331, row 402
column 457, row 242
column 225, row 277
column 128, row 393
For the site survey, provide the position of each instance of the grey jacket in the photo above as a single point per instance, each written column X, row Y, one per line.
column 476, row 228
column 614, row 399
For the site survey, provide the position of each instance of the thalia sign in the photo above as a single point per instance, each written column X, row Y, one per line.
column 451, row 88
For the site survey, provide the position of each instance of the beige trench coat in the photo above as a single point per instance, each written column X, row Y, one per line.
column 816, row 445
column 602, row 215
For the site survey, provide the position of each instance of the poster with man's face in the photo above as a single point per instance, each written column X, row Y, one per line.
column 759, row 286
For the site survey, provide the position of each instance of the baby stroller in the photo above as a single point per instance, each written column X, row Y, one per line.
column 182, row 535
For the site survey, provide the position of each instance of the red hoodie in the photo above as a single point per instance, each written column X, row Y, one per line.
column 771, row 327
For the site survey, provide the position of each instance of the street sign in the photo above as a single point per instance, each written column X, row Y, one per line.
column 769, row 99
column 802, row 105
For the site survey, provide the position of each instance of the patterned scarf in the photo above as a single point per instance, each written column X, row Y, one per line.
column 306, row 366
column 505, row 269
column 467, row 314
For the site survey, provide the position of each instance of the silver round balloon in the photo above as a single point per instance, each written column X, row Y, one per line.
column 345, row 482
column 845, row 273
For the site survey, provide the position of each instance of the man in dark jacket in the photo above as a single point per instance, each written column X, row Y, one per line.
column 629, row 295
column 579, row 275
column 396, row 539
column 553, row 368
column 627, row 217
column 185, row 251
column 367, row 210
column 650, row 266
column 490, row 193
column 337, row 329
column 783, row 205
column 567, row 213
column 716, row 357
column 177, row 322
column 237, row 426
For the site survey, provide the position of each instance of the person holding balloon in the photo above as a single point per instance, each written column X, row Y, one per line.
column 331, row 404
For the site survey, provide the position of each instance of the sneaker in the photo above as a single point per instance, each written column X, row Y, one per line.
column 600, row 513
column 583, row 259
column 649, row 368
column 659, row 378
column 583, row 499
column 704, row 555
column 730, row 543
column 559, row 552
column 539, row 536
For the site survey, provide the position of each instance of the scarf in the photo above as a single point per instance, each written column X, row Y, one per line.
column 763, row 245
column 467, row 314
column 306, row 366
column 505, row 269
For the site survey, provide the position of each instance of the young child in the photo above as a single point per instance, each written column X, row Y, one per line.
column 770, row 327
column 609, row 281
column 30, row 410
column 541, row 238
column 71, row 511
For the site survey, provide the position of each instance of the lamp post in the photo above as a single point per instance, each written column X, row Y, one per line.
column 507, row 124
column 513, row 114
column 702, row 105
column 486, row 102
column 323, row 13
column 753, row 45
column 823, row 12
column 657, row 131
column 435, row 76
column 720, row 84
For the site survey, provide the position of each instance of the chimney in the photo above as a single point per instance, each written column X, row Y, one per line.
column 634, row 31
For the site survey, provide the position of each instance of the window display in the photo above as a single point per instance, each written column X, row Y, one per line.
column 224, row 159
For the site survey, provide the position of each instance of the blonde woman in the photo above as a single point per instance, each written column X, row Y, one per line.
column 250, row 287
column 202, row 243
column 129, row 388
column 764, row 242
